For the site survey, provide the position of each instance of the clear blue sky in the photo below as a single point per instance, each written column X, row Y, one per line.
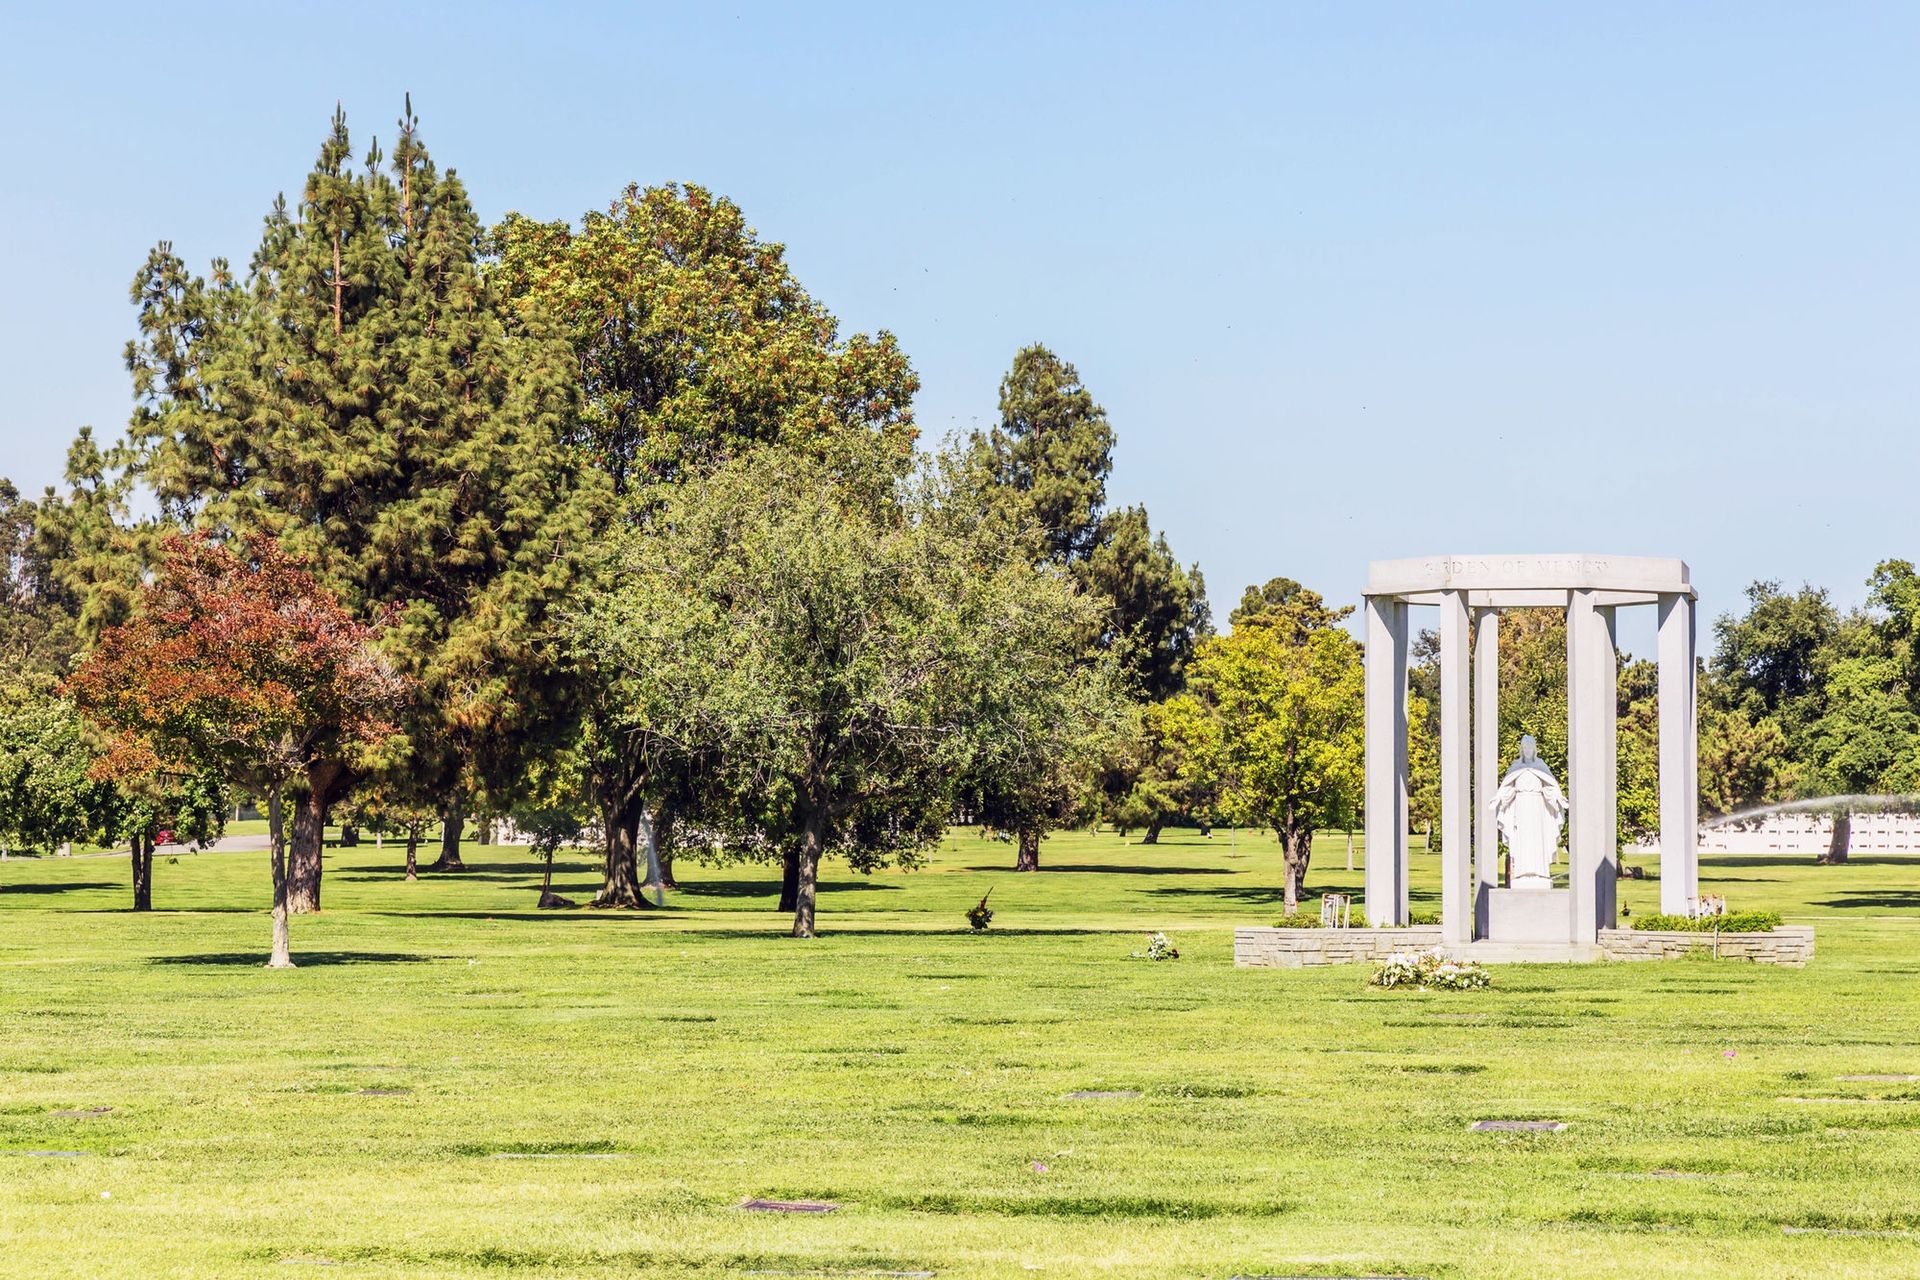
column 1353, row 281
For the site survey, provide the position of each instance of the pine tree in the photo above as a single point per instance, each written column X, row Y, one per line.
column 1042, row 470
column 1054, row 446
column 364, row 397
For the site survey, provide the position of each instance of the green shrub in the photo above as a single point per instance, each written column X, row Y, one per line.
column 1732, row 922
column 1298, row 920
column 1301, row 920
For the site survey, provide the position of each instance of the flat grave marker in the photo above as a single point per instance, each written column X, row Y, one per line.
column 758, row 1205
column 1518, row 1126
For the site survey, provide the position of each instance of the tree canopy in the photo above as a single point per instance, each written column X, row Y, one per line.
column 240, row 664
column 844, row 659
column 362, row 394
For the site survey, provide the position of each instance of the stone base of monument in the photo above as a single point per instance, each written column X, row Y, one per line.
column 1530, row 915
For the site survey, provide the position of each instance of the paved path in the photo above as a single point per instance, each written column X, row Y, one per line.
column 225, row 844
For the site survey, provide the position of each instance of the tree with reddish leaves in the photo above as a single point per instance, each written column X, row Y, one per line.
column 239, row 663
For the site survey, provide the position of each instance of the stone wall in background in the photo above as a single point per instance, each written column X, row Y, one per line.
column 1270, row 948
column 1790, row 944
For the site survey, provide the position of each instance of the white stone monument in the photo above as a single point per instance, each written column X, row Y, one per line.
column 1528, row 809
column 1472, row 592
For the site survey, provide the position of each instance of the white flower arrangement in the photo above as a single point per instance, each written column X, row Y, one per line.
column 1429, row 969
column 1159, row 947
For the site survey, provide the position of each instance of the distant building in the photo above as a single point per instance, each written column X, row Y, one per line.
column 1810, row 833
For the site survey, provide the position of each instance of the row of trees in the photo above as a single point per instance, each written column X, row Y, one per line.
column 605, row 521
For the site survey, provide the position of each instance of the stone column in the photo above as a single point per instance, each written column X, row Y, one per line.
column 1592, row 853
column 1456, row 775
column 1679, row 758
column 1386, row 762
column 1486, row 760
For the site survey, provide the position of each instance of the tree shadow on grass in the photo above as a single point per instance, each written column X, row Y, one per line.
column 1119, row 869
column 1272, row 896
column 381, row 876
column 828, row 929
column 771, row 888
column 301, row 959
column 610, row 915
column 1893, row 899
column 8, row 890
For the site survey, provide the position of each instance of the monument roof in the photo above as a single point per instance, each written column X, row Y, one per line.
column 1500, row 574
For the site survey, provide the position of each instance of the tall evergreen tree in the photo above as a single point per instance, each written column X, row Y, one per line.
column 1045, row 465
column 1054, row 446
column 363, row 396
column 1156, row 609
column 39, row 632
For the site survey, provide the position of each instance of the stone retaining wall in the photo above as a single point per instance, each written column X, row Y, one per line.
column 1266, row 947
column 1790, row 944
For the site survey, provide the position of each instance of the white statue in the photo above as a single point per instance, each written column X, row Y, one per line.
column 1529, row 809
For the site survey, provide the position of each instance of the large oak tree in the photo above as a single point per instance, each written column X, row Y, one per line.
column 693, row 342
column 845, row 657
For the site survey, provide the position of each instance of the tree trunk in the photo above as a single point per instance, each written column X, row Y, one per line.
column 413, row 850
column 349, row 837
column 1028, row 859
column 549, row 900
column 143, row 872
column 450, row 823
column 1841, row 842
column 812, row 837
column 282, row 957
column 789, row 879
column 1153, row 833
column 309, row 836
column 1296, row 846
column 663, row 824
column 621, row 886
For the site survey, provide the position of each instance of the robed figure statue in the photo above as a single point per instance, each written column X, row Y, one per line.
column 1529, row 809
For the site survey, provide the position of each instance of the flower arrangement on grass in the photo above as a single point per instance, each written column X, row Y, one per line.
column 980, row 915
column 1159, row 947
column 1429, row 970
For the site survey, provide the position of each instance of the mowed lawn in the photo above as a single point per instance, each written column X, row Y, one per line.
column 455, row 1084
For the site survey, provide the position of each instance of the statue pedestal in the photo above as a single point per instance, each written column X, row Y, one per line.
column 1530, row 915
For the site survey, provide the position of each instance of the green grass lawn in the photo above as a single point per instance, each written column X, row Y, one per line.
column 373, row 1108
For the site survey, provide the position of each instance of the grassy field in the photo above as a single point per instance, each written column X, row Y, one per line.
column 454, row 1084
